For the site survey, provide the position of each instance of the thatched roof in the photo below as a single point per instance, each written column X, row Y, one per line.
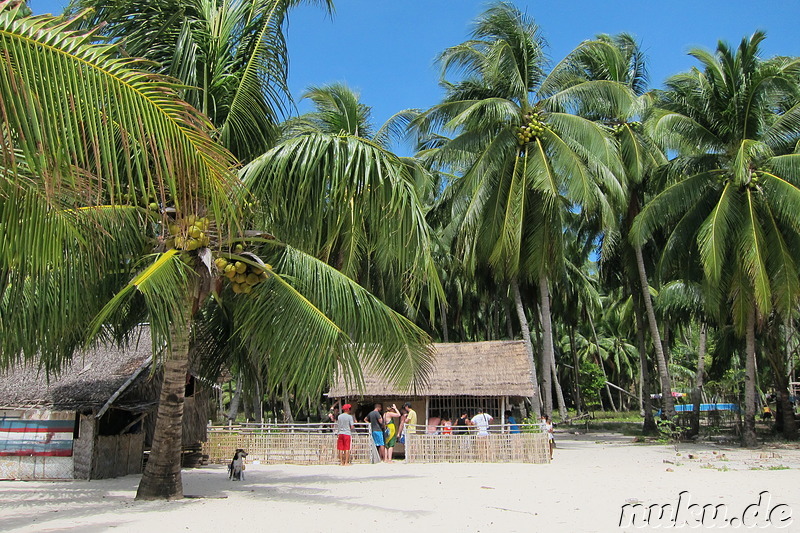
column 493, row 368
column 85, row 384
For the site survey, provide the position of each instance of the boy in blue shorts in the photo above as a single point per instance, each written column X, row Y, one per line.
column 375, row 419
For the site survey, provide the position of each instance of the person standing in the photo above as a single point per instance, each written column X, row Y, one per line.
column 410, row 423
column 344, row 425
column 391, row 421
column 462, row 424
column 376, row 426
column 482, row 421
column 513, row 426
column 434, row 424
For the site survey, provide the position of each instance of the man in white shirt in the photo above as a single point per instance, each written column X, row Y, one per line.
column 482, row 421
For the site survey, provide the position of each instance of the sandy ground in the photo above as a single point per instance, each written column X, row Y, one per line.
column 583, row 489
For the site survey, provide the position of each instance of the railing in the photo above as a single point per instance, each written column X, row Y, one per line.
column 303, row 444
column 528, row 444
column 316, row 444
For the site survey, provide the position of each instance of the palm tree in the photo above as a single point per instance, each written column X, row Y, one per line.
column 683, row 302
column 230, row 55
column 735, row 126
column 619, row 59
column 85, row 137
column 333, row 187
column 528, row 160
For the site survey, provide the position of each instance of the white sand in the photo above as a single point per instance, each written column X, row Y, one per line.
column 584, row 489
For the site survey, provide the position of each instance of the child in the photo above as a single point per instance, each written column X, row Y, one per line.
column 447, row 425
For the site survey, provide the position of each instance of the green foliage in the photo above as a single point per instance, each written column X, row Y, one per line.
column 670, row 432
column 592, row 382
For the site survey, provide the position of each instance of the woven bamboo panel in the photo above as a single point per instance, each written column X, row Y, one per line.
column 471, row 448
column 32, row 467
column 314, row 446
column 282, row 446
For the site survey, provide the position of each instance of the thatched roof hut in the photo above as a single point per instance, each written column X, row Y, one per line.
column 492, row 368
column 92, row 419
column 468, row 376
column 85, row 384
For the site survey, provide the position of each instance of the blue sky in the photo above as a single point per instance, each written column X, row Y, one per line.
column 386, row 49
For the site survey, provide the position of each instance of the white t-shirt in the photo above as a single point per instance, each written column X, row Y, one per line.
column 344, row 423
column 481, row 421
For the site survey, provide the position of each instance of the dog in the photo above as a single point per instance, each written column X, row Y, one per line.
column 236, row 468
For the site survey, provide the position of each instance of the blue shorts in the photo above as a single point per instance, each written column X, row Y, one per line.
column 377, row 436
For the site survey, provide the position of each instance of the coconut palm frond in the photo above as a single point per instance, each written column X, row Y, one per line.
column 85, row 123
column 162, row 286
column 341, row 324
column 668, row 205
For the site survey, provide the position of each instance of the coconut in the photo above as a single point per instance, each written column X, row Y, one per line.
column 252, row 279
column 241, row 268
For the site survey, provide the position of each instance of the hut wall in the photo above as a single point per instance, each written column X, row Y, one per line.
column 83, row 447
column 36, row 444
column 117, row 455
column 195, row 416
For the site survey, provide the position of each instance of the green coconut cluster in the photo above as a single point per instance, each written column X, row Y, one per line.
column 189, row 233
column 617, row 128
column 243, row 276
column 532, row 127
column 149, row 201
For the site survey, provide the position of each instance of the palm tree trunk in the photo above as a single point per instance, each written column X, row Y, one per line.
column 605, row 377
column 697, row 393
column 785, row 422
column 749, row 438
column 162, row 475
column 562, row 408
column 443, row 315
column 287, row 406
column 548, row 352
column 601, row 365
column 233, row 411
column 783, row 377
column 526, row 336
column 258, row 405
column 221, row 412
column 649, row 425
column 789, row 428
column 576, row 370
column 509, row 324
column 667, row 402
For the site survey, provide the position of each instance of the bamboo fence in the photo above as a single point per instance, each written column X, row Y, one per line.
column 296, row 444
column 314, row 444
column 496, row 447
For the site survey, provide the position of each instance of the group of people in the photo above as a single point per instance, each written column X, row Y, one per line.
column 390, row 427
column 386, row 428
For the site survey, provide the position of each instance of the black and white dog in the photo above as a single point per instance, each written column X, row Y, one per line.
column 236, row 468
